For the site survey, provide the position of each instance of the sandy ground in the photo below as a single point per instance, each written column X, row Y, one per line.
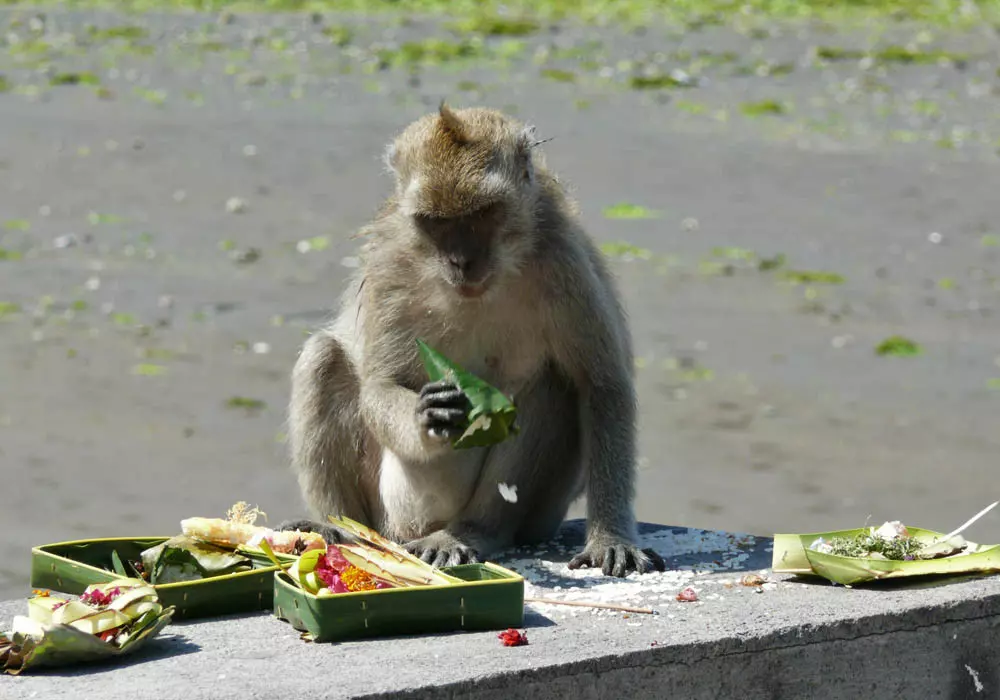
column 138, row 297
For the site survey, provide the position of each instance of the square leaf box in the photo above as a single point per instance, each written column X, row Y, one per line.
column 69, row 567
column 490, row 598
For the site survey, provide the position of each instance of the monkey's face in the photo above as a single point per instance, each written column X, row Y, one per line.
column 463, row 247
column 466, row 180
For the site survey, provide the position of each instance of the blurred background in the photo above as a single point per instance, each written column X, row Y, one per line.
column 798, row 198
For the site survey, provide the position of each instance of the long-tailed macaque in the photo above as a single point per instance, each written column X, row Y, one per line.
column 479, row 252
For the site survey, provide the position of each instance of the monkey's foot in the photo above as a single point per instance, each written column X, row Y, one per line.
column 331, row 533
column 616, row 557
column 442, row 549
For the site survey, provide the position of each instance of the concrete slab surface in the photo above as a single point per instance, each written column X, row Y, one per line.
column 787, row 639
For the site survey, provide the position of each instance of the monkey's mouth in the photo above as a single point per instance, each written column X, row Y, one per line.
column 472, row 291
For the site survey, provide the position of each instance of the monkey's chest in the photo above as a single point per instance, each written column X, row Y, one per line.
column 502, row 355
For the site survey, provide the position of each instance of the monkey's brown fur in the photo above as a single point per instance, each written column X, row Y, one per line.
column 479, row 252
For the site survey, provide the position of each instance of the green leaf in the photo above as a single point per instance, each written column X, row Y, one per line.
column 145, row 369
column 116, row 564
column 183, row 558
column 491, row 418
column 625, row 210
column 898, row 346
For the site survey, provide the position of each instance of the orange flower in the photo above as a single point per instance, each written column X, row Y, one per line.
column 357, row 580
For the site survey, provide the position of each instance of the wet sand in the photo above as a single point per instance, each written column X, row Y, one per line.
column 178, row 219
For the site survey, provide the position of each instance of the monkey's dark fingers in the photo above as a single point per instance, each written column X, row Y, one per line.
column 444, row 399
column 444, row 433
column 444, row 417
column 440, row 386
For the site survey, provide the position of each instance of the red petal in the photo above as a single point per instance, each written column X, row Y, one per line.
column 687, row 595
column 513, row 638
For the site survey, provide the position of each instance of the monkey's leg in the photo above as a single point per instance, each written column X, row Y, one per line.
column 543, row 461
column 332, row 450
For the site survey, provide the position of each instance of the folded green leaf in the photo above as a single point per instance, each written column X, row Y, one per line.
column 491, row 418
column 792, row 554
column 183, row 558
column 116, row 564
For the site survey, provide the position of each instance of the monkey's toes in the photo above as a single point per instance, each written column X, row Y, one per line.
column 619, row 560
column 330, row 533
column 442, row 556
column 300, row 525
column 655, row 560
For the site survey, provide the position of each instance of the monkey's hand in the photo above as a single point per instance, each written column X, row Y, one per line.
column 442, row 549
column 331, row 533
column 442, row 411
column 616, row 556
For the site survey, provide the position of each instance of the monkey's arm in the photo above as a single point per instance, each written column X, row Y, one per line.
column 593, row 345
column 389, row 410
column 416, row 426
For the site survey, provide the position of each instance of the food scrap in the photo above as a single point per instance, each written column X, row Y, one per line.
column 238, row 529
column 513, row 638
column 752, row 580
column 688, row 595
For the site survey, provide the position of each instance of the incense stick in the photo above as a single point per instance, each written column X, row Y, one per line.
column 971, row 520
column 585, row 604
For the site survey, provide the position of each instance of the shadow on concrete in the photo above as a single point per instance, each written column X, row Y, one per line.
column 162, row 647
column 898, row 584
column 736, row 558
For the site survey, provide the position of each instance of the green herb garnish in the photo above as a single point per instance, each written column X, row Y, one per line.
column 865, row 545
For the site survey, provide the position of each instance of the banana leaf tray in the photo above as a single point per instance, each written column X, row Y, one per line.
column 491, row 598
column 69, row 567
column 792, row 556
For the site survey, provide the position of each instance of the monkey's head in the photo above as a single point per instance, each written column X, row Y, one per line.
column 466, row 184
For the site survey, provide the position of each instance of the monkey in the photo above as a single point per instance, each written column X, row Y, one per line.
column 479, row 251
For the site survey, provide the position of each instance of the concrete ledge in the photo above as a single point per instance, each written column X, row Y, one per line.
column 789, row 639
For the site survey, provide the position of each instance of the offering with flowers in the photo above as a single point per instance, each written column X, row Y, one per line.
column 108, row 619
column 371, row 563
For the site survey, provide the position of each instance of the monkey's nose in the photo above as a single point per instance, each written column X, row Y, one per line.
column 462, row 265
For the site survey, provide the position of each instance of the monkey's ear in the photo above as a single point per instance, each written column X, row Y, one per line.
column 528, row 135
column 529, row 138
column 451, row 124
column 527, row 141
column 391, row 158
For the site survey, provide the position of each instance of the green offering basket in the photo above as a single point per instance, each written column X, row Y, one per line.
column 793, row 556
column 69, row 567
column 491, row 598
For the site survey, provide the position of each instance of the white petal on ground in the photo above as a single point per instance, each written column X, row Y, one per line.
column 509, row 493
